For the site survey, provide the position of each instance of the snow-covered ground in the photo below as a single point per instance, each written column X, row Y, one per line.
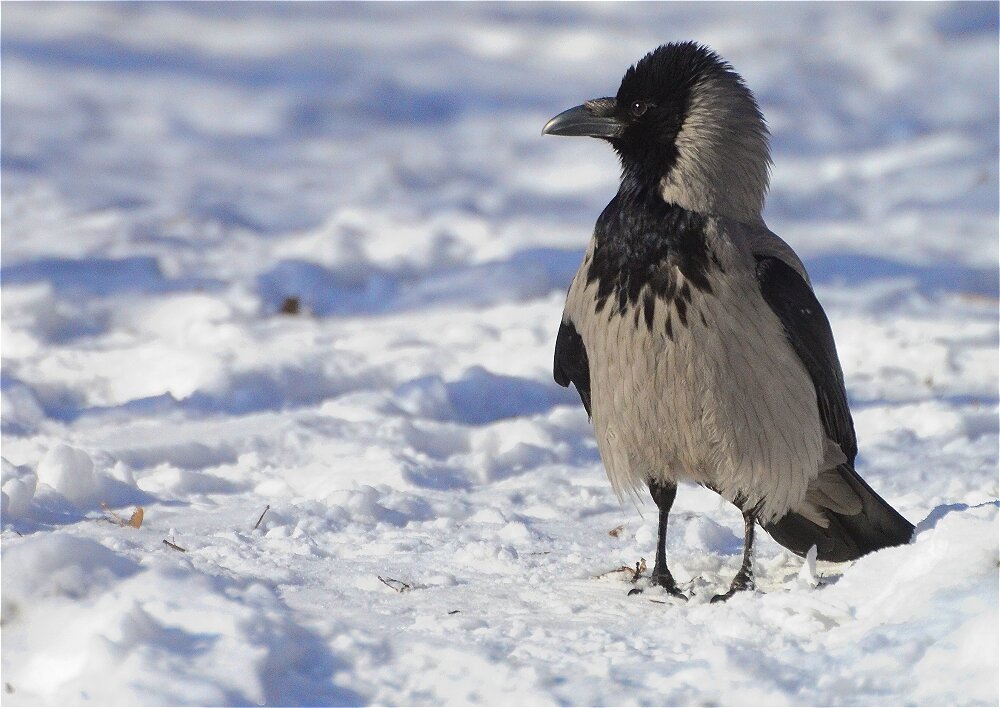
column 173, row 174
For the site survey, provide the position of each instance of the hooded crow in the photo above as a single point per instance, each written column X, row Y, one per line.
column 692, row 333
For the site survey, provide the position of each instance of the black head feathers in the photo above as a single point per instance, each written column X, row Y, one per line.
column 685, row 126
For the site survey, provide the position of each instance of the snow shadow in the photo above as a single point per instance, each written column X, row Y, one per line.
column 244, row 393
column 265, row 390
column 299, row 668
column 101, row 277
column 335, row 89
column 939, row 512
column 860, row 269
column 364, row 288
column 82, row 290
column 50, row 509
column 191, row 455
column 241, row 393
column 480, row 397
column 967, row 19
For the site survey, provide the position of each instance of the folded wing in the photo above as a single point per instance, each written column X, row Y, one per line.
column 843, row 517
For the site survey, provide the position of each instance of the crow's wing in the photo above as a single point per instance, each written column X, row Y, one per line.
column 853, row 529
column 571, row 364
column 808, row 331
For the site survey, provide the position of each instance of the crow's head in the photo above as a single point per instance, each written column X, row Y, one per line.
column 685, row 123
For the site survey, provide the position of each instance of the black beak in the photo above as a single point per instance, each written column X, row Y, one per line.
column 595, row 119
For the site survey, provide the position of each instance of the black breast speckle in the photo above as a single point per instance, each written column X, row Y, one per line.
column 642, row 246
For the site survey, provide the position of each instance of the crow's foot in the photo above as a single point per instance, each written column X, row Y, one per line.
column 665, row 581
column 742, row 581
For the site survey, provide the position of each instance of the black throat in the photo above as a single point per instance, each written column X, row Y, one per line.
column 640, row 241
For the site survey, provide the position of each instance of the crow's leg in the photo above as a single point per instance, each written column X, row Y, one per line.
column 663, row 494
column 744, row 578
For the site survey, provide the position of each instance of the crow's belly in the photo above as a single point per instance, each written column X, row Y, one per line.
column 716, row 396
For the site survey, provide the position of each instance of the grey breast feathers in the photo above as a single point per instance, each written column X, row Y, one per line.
column 702, row 386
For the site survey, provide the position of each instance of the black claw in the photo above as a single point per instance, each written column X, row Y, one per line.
column 740, row 583
column 723, row 598
column 726, row 596
column 667, row 583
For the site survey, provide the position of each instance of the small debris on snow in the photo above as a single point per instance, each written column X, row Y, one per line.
column 257, row 525
column 134, row 521
column 291, row 306
column 397, row 585
column 628, row 572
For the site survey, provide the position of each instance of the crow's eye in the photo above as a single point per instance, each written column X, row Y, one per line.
column 638, row 108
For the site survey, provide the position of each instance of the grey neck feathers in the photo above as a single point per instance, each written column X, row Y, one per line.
column 723, row 158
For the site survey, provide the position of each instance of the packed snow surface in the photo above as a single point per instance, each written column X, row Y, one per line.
column 310, row 259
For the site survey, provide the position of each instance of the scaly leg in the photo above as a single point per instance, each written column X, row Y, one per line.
column 744, row 578
column 663, row 495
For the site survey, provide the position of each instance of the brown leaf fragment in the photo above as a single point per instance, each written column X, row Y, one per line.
column 616, row 531
column 135, row 521
column 174, row 546
column 291, row 306
column 397, row 585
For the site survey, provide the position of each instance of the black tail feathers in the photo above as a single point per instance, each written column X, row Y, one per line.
column 847, row 537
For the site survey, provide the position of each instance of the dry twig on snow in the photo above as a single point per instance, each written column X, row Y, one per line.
column 397, row 585
column 631, row 574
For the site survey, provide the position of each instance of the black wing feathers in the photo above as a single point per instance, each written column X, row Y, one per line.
column 571, row 364
column 847, row 537
column 808, row 331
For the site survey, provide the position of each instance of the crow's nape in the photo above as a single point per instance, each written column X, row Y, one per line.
column 847, row 537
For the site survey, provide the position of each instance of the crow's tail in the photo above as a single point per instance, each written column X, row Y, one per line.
column 848, row 535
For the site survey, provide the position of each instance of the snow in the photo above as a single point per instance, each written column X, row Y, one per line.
column 174, row 173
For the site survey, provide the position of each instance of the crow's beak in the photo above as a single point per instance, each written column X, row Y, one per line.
column 595, row 119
